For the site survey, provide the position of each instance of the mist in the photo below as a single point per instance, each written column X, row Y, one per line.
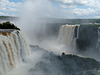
column 33, row 22
column 33, row 19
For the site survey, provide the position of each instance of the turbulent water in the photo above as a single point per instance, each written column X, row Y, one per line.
column 43, row 62
column 46, row 62
column 13, row 50
column 18, row 58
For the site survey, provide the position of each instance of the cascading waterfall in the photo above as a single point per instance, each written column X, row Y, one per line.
column 80, row 37
column 98, row 42
column 68, row 34
column 13, row 50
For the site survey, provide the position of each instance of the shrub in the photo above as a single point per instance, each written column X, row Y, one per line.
column 8, row 25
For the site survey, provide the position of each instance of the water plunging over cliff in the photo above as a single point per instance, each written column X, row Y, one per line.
column 68, row 34
column 13, row 49
column 81, row 37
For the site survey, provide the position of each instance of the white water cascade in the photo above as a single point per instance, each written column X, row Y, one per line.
column 13, row 50
column 98, row 42
column 68, row 34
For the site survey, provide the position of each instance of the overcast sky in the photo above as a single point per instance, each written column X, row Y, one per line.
column 67, row 8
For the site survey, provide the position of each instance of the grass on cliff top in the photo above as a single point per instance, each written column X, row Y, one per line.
column 8, row 25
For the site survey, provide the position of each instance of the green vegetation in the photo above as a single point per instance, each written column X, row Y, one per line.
column 8, row 18
column 8, row 25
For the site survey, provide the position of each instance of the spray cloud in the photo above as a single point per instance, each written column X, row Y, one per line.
column 33, row 23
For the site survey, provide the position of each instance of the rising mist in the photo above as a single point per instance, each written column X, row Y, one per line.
column 33, row 22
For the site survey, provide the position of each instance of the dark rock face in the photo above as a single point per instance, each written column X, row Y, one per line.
column 88, row 37
column 75, row 31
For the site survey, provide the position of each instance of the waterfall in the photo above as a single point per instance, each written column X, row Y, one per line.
column 68, row 34
column 13, row 50
column 80, row 37
column 98, row 42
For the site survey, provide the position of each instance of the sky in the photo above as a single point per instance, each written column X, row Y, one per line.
column 66, row 8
